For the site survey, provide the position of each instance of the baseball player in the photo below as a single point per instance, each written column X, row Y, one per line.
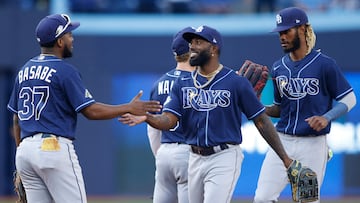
column 171, row 177
column 210, row 104
column 306, row 82
column 47, row 96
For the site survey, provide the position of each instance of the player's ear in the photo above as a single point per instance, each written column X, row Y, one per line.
column 302, row 28
column 59, row 42
column 212, row 50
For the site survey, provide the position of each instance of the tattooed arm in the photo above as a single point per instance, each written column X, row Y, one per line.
column 268, row 132
column 164, row 121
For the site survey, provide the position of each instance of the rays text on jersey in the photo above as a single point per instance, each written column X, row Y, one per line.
column 297, row 88
column 205, row 100
column 36, row 73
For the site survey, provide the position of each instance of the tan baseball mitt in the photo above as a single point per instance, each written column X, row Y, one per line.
column 19, row 188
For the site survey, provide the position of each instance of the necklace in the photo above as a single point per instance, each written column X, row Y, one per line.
column 209, row 76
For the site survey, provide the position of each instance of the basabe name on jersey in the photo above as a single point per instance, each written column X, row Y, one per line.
column 36, row 73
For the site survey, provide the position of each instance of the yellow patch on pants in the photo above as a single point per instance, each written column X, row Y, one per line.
column 50, row 144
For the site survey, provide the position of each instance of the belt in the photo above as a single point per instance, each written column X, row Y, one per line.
column 173, row 143
column 45, row 135
column 207, row 151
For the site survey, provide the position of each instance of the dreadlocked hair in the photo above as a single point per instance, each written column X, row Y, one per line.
column 310, row 38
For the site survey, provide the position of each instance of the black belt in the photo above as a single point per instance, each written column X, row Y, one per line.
column 174, row 143
column 207, row 151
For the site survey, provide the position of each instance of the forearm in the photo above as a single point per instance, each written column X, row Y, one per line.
column 100, row 111
column 341, row 108
column 16, row 130
column 273, row 111
column 165, row 121
column 268, row 132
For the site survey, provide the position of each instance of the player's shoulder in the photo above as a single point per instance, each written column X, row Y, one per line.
column 170, row 75
column 323, row 57
column 53, row 62
column 229, row 74
column 322, row 60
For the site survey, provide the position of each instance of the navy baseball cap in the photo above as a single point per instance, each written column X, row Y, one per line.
column 290, row 17
column 205, row 32
column 179, row 45
column 54, row 26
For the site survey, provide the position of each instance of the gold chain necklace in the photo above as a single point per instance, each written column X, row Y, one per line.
column 209, row 76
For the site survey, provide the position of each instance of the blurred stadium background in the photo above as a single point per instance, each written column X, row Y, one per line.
column 123, row 46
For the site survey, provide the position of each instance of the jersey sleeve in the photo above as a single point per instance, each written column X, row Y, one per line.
column 277, row 97
column 77, row 94
column 172, row 103
column 249, row 103
column 336, row 82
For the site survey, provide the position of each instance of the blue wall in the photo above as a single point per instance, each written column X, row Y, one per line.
column 116, row 65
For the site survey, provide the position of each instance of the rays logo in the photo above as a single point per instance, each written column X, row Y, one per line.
column 297, row 88
column 205, row 100
column 278, row 19
column 199, row 29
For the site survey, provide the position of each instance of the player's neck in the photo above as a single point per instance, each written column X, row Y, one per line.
column 212, row 71
column 51, row 52
column 298, row 54
column 185, row 66
column 209, row 69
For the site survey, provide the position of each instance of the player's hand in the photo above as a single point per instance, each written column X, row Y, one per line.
column 317, row 122
column 131, row 120
column 141, row 108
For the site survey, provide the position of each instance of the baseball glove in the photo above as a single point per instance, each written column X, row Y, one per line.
column 19, row 188
column 303, row 181
column 257, row 75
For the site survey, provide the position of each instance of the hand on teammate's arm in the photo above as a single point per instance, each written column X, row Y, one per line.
column 268, row 132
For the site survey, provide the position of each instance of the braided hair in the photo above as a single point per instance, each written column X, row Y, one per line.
column 310, row 38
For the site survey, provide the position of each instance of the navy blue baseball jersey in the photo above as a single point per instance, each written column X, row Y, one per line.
column 306, row 88
column 160, row 92
column 212, row 115
column 47, row 96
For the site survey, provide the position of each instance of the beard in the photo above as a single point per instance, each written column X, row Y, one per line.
column 201, row 59
column 295, row 44
column 67, row 53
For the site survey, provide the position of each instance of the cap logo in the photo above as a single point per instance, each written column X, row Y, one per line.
column 214, row 41
column 199, row 29
column 278, row 19
column 61, row 28
column 297, row 21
